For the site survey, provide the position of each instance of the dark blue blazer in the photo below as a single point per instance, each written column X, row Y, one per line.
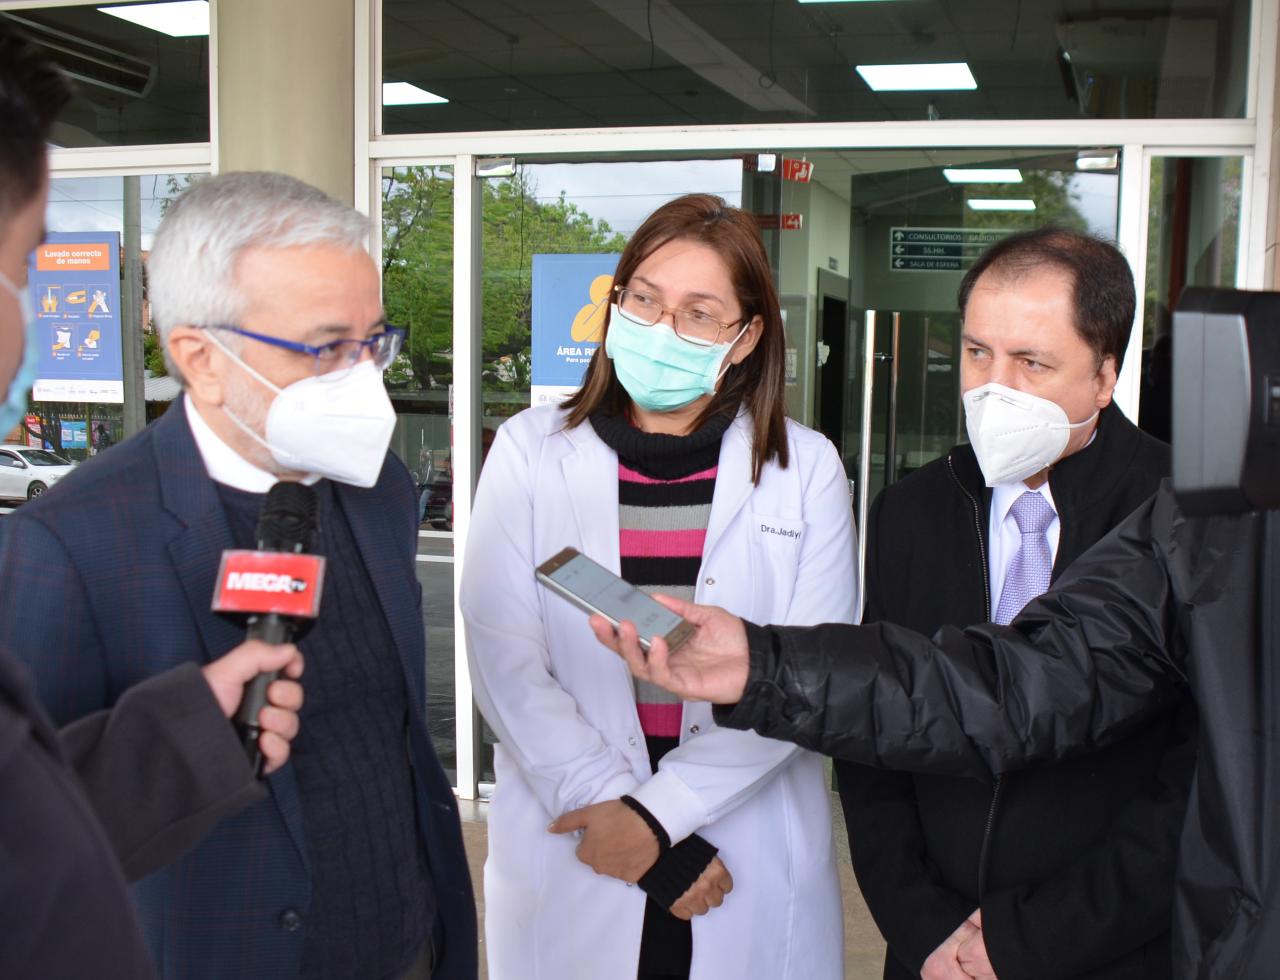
column 107, row 580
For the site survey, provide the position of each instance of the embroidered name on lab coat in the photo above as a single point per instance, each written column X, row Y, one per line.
column 780, row 531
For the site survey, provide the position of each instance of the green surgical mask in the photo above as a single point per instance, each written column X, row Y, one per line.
column 660, row 371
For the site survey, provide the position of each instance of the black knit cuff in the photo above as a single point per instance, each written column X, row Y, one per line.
column 677, row 869
column 659, row 831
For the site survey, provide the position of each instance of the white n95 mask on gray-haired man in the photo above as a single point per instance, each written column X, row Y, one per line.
column 337, row 428
column 1014, row 434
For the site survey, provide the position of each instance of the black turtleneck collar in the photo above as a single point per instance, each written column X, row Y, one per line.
column 658, row 455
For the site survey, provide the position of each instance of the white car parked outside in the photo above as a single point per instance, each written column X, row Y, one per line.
column 25, row 473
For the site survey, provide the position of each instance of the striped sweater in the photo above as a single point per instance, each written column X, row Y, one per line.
column 662, row 527
column 665, row 488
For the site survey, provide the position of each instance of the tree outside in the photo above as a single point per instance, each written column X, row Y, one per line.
column 417, row 268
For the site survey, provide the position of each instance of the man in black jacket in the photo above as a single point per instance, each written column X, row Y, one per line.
column 1164, row 604
column 1058, row 872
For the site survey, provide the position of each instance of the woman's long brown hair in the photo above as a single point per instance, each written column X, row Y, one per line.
column 759, row 381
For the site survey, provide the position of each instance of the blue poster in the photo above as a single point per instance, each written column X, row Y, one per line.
column 75, row 287
column 571, row 294
column 75, row 434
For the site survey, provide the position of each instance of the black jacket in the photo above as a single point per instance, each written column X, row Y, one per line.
column 1163, row 604
column 1072, row 864
column 160, row 769
column 63, row 902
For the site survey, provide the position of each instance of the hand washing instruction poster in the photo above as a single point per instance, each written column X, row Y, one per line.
column 75, row 287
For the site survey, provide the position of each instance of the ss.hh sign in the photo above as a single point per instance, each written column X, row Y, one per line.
column 75, row 287
column 571, row 294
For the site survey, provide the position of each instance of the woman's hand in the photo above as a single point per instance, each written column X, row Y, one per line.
column 706, row 893
column 615, row 839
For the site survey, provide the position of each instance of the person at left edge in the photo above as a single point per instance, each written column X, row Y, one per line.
column 268, row 307
column 160, row 767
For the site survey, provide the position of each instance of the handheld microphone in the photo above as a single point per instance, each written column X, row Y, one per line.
column 278, row 586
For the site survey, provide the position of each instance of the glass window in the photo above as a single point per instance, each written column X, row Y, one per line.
column 517, row 64
column 133, row 84
column 59, row 421
column 1193, row 239
column 917, row 221
column 417, row 285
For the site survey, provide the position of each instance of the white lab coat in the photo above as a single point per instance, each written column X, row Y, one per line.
column 563, row 707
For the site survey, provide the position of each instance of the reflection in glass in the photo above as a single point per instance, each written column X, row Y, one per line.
column 417, row 284
column 605, row 63
column 912, row 235
column 133, row 85
column 1193, row 238
column 435, row 575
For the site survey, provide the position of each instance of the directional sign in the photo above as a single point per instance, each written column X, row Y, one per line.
column 939, row 249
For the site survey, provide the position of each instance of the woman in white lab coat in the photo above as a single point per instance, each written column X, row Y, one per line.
column 675, row 466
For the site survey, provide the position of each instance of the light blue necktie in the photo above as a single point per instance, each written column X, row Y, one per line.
column 1029, row 573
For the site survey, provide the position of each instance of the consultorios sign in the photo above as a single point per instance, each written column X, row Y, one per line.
column 939, row 249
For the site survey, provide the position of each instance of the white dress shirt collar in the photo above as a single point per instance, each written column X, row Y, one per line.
column 1003, row 495
column 224, row 464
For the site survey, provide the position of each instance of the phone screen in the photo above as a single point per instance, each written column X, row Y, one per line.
column 616, row 598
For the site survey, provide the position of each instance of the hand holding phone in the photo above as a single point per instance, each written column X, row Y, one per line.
column 594, row 589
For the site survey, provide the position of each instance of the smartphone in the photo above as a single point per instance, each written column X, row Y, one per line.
column 594, row 589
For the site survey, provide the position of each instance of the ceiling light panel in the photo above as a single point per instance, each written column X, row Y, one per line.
column 982, row 175
column 1001, row 204
column 184, row 18
column 406, row 93
column 951, row 76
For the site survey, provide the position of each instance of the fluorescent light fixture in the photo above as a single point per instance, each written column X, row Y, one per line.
column 1098, row 160
column 496, row 167
column 406, row 93
column 766, row 163
column 980, row 175
column 184, row 18
column 948, row 76
column 1001, row 204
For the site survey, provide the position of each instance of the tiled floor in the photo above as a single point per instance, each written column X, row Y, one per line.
column 863, row 947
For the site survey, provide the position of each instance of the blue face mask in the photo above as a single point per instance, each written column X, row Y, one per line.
column 660, row 371
column 14, row 406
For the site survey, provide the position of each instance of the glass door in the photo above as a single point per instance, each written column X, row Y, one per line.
column 918, row 220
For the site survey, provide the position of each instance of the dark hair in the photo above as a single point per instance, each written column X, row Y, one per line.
column 759, row 381
column 32, row 93
column 1101, row 282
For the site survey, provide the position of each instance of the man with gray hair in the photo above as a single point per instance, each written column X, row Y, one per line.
column 269, row 309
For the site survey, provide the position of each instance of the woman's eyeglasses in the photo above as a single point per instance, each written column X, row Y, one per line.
column 698, row 328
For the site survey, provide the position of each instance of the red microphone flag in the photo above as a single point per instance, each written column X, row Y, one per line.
column 265, row 582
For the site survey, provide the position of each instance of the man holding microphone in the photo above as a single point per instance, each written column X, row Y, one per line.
column 161, row 767
column 270, row 314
